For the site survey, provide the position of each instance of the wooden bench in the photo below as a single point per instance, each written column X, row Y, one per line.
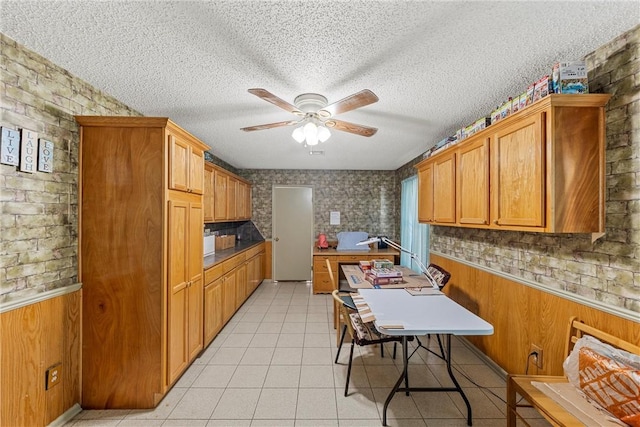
column 552, row 411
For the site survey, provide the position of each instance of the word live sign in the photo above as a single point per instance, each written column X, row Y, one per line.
column 23, row 149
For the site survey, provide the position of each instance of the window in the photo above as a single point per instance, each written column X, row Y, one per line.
column 413, row 235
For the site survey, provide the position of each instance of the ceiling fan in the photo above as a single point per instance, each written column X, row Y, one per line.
column 313, row 108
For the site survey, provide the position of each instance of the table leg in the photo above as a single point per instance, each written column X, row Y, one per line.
column 403, row 376
column 453, row 378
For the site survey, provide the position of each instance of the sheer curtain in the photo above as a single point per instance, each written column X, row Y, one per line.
column 413, row 235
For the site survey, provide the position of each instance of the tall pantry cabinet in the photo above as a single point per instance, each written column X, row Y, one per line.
column 141, row 255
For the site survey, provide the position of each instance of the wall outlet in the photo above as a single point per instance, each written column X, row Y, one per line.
column 53, row 376
column 536, row 350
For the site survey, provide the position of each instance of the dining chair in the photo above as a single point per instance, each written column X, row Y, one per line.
column 361, row 333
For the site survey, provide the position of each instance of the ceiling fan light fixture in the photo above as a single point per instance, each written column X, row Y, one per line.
column 298, row 134
column 323, row 133
column 311, row 133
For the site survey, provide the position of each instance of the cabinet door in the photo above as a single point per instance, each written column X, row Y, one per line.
column 208, row 197
column 473, row 183
column 248, row 208
column 196, row 171
column 178, row 163
column 425, row 194
column 213, row 320
column 241, row 285
column 177, row 282
column 242, row 188
column 195, row 288
column 444, row 189
column 232, row 200
column 221, row 181
column 229, row 295
column 517, row 174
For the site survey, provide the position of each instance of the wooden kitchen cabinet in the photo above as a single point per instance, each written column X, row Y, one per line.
column 208, row 198
column 231, row 196
column 185, row 284
column 186, row 170
column 425, row 191
column 473, row 182
column 228, row 285
column 221, row 181
column 545, row 168
column 140, row 259
column 213, row 320
column 444, row 185
column 517, row 178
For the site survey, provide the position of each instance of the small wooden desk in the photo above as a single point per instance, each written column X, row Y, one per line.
column 321, row 282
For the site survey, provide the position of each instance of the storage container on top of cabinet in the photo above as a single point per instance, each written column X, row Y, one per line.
column 541, row 169
column 141, row 256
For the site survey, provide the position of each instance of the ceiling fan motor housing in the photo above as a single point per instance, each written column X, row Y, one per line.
column 310, row 102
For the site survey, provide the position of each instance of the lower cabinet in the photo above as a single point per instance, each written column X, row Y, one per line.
column 228, row 285
column 213, row 320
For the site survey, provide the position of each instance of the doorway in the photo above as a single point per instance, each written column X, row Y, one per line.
column 292, row 232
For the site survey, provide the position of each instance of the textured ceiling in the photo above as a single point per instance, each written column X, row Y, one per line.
column 435, row 65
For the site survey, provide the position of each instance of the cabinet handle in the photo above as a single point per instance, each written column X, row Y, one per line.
column 495, row 221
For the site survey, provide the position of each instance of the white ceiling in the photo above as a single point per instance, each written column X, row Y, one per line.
column 435, row 65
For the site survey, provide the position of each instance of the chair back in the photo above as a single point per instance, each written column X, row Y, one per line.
column 331, row 277
column 346, row 307
column 441, row 275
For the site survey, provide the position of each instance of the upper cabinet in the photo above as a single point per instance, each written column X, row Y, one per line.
column 541, row 169
column 228, row 197
column 186, row 171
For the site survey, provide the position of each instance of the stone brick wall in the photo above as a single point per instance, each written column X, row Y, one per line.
column 38, row 212
column 607, row 271
column 366, row 200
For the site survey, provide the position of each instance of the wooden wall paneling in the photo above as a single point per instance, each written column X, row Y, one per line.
column 522, row 315
column 34, row 338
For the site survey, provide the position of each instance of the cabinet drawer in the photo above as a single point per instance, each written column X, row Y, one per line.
column 250, row 253
column 320, row 266
column 354, row 258
column 211, row 274
column 232, row 263
column 322, row 283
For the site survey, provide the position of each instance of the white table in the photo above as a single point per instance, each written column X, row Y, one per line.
column 422, row 315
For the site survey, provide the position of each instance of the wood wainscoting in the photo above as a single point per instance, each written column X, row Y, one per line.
column 33, row 338
column 268, row 259
column 522, row 315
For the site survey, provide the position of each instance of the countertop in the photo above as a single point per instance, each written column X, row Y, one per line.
column 219, row 256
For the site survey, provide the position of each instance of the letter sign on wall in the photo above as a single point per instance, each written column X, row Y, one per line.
column 10, row 147
column 28, row 153
column 45, row 156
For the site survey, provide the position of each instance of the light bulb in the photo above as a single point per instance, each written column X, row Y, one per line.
column 323, row 133
column 311, row 133
column 298, row 134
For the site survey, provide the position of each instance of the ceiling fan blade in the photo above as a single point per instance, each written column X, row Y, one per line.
column 351, row 102
column 351, row 127
column 279, row 102
column 270, row 125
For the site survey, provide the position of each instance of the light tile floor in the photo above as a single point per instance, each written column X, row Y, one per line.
column 273, row 365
